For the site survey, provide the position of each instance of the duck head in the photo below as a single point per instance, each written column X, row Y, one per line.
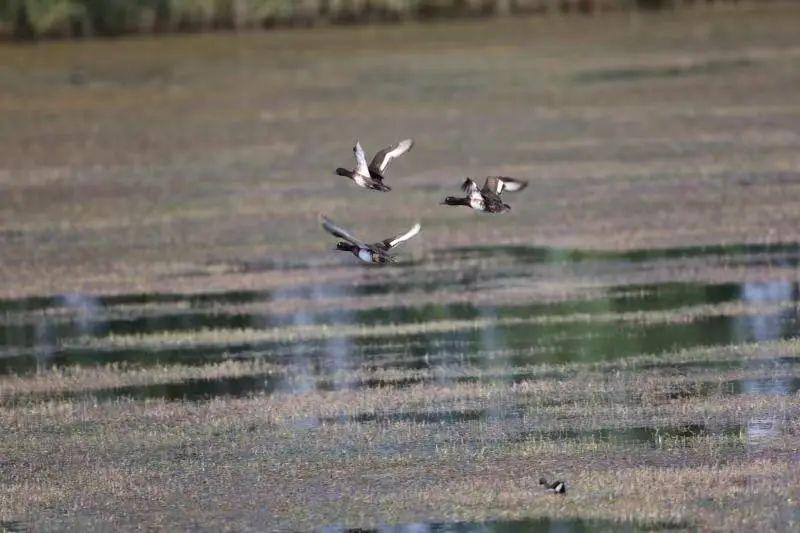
column 345, row 246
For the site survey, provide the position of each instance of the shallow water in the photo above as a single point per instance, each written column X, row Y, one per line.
column 500, row 526
column 34, row 331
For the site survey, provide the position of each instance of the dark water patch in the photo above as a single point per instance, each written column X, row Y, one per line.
column 33, row 346
column 585, row 341
column 417, row 417
column 654, row 437
column 765, row 386
column 788, row 252
column 723, row 364
column 33, row 362
column 636, row 298
column 623, row 74
column 195, row 389
column 532, row 525
column 14, row 526
column 494, row 345
column 770, row 386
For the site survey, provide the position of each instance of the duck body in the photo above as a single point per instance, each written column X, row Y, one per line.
column 370, row 176
column 373, row 181
column 368, row 255
column 486, row 199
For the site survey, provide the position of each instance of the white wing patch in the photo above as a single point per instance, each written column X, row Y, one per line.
column 361, row 160
column 405, row 236
column 510, row 184
column 399, row 149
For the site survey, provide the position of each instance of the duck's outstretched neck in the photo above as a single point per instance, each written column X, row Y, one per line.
column 344, row 172
column 452, row 200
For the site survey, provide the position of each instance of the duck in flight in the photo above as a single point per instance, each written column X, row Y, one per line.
column 371, row 176
column 556, row 486
column 488, row 198
column 377, row 253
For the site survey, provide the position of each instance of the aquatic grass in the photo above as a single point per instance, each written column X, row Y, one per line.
column 453, row 463
column 243, row 336
column 111, row 376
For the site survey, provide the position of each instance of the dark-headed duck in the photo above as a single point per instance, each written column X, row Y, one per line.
column 377, row 253
column 371, row 176
column 487, row 199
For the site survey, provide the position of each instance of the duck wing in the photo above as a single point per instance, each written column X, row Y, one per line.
column 340, row 232
column 361, row 160
column 499, row 184
column 390, row 243
column 469, row 186
column 382, row 159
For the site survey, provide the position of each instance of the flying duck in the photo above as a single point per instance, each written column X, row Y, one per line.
column 487, row 199
column 377, row 253
column 371, row 176
column 558, row 487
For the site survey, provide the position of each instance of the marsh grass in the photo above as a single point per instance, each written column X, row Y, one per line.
column 194, row 152
column 697, row 449
column 226, row 337
column 112, row 376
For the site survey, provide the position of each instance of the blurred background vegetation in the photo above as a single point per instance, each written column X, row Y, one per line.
column 35, row 19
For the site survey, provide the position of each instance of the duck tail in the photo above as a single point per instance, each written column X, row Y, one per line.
column 344, row 172
column 452, row 200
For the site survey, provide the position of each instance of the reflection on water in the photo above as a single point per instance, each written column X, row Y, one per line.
column 492, row 345
column 32, row 334
column 534, row 525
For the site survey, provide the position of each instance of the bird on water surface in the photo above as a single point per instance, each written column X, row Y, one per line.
column 559, row 487
column 487, row 199
column 371, row 176
column 377, row 253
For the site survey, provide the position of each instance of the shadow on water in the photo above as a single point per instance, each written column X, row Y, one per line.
column 533, row 525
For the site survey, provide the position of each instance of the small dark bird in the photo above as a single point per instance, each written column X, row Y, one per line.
column 371, row 176
column 487, row 199
column 377, row 253
column 559, row 487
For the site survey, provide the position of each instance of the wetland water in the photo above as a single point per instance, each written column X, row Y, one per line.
column 538, row 525
column 38, row 333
